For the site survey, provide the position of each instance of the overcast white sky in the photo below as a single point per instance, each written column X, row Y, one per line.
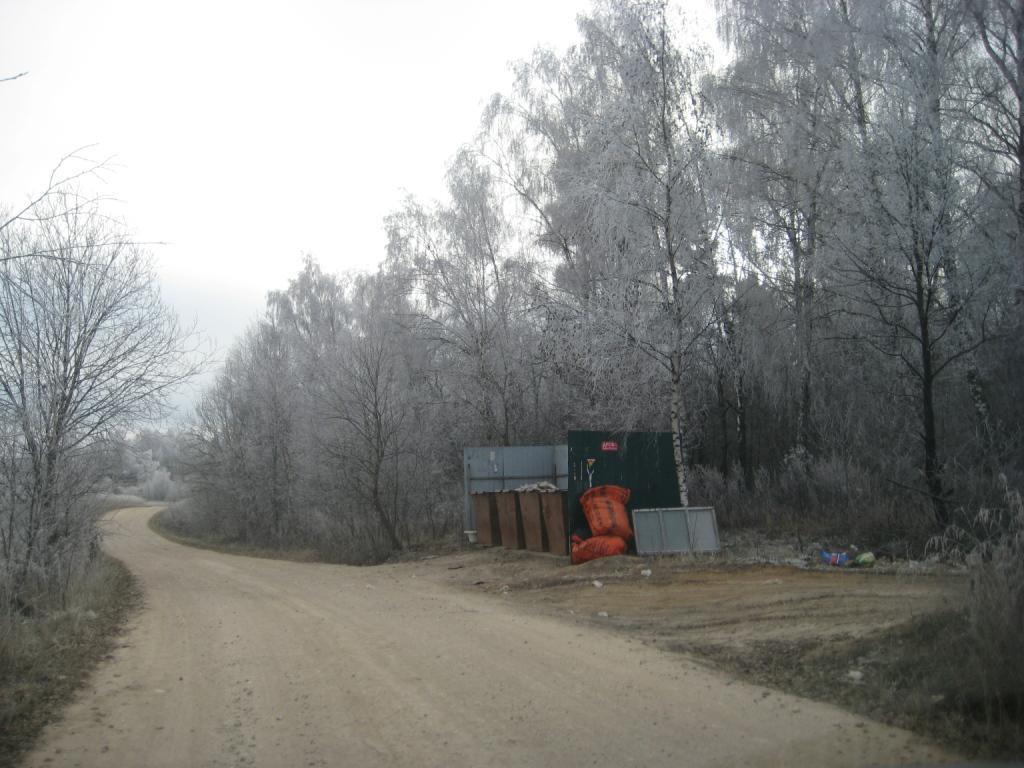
column 249, row 132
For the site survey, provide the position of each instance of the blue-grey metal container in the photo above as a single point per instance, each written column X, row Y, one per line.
column 508, row 468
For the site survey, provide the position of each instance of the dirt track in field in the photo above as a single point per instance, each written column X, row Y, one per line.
column 237, row 661
column 708, row 600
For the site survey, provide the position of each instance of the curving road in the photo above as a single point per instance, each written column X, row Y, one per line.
column 237, row 661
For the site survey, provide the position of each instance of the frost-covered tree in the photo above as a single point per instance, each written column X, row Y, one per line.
column 919, row 277
column 630, row 203
column 780, row 111
column 995, row 103
column 87, row 349
column 467, row 281
column 793, row 262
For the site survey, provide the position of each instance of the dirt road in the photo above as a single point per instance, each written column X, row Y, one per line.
column 237, row 661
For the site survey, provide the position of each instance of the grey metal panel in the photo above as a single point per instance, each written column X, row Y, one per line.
column 468, row 517
column 484, row 463
column 507, row 468
column 674, row 530
column 484, row 471
column 562, row 466
column 647, row 530
column 703, row 528
column 528, row 464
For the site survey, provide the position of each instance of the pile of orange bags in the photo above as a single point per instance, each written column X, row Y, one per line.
column 605, row 510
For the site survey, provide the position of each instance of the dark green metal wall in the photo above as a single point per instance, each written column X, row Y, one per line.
column 640, row 461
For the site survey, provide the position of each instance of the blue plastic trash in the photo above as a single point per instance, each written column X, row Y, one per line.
column 834, row 558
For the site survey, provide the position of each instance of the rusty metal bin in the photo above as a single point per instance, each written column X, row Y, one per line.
column 556, row 521
column 488, row 532
column 510, row 520
column 533, row 521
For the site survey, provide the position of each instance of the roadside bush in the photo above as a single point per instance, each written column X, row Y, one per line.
column 820, row 496
column 996, row 608
column 107, row 502
column 991, row 544
column 160, row 487
column 45, row 655
column 186, row 518
column 837, row 495
column 735, row 506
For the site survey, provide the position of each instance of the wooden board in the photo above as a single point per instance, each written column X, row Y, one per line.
column 556, row 522
column 533, row 521
column 488, row 532
column 510, row 520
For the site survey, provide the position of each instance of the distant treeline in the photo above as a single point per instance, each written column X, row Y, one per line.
column 805, row 260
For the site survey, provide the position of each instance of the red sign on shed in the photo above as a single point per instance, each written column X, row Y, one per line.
column 609, row 446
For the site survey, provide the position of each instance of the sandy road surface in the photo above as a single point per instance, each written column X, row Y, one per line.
column 237, row 661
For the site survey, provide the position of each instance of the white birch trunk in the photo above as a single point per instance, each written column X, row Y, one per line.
column 678, row 417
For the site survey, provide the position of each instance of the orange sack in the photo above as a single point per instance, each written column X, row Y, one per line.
column 605, row 510
column 595, row 547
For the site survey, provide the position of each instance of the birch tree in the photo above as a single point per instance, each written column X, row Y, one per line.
column 633, row 210
column 468, row 281
column 996, row 106
column 781, row 114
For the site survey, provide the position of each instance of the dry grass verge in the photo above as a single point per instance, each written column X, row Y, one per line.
column 107, row 502
column 45, row 659
column 163, row 523
column 180, row 523
column 916, row 676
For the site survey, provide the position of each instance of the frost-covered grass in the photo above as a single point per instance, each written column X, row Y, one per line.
column 992, row 545
column 108, row 502
column 47, row 654
column 831, row 497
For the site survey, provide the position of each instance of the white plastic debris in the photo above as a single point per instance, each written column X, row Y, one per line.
column 603, row 614
column 856, row 675
column 646, row 572
column 598, row 584
column 543, row 486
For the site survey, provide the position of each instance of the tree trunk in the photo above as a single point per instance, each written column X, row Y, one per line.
column 742, row 446
column 932, row 466
column 803, row 292
column 1019, row 46
column 678, row 416
column 378, row 506
column 723, row 417
column 803, row 409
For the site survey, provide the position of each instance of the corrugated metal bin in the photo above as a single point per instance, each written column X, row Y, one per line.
column 507, row 468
